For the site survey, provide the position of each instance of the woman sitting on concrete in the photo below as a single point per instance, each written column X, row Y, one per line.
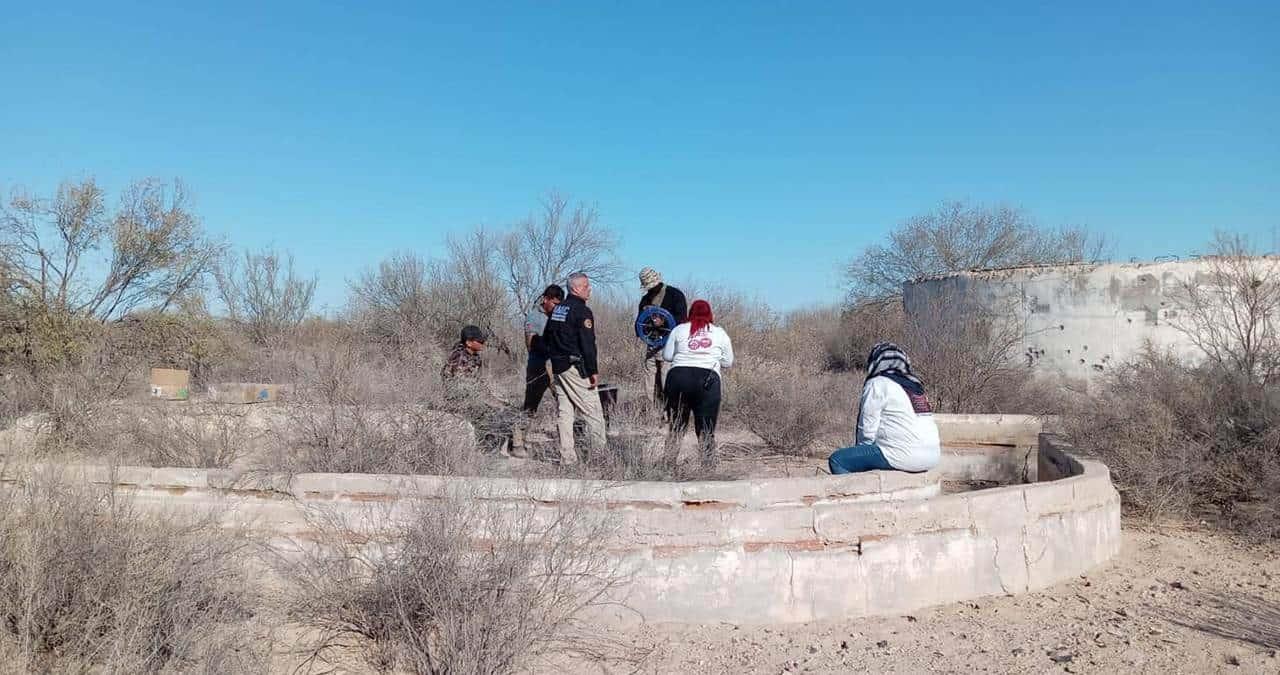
column 696, row 349
column 895, row 421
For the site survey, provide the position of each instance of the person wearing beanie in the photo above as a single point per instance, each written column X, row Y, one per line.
column 697, row 350
column 659, row 294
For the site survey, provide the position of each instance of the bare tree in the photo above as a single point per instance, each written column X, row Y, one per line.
column 960, row 236
column 394, row 301
column 965, row 352
column 1231, row 314
column 266, row 296
column 155, row 248
column 545, row 248
column 469, row 281
column 408, row 297
column 486, row 278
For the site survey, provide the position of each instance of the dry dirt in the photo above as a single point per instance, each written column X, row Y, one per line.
column 1173, row 601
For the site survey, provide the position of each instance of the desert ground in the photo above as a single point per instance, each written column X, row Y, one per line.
column 1178, row 599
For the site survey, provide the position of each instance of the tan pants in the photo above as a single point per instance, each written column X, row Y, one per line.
column 574, row 395
column 652, row 381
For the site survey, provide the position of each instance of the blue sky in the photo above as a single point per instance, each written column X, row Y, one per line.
column 755, row 145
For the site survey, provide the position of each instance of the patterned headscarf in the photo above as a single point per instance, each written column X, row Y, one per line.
column 888, row 360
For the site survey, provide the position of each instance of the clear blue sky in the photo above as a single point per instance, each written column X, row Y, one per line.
column 751, row 144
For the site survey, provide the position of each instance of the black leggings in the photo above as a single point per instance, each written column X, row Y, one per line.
column 697, row 391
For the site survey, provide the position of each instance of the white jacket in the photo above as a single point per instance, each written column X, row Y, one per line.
column 909, row 440
column 710, row 348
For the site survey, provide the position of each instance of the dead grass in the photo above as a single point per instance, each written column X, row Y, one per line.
column 1186, row 442
column 360, row 439
column 88, row 585
column 461, row 586
column 159, row 435
column 794, row 412
column 1235, row 616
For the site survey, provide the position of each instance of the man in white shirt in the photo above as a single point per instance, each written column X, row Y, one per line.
column 896, row 429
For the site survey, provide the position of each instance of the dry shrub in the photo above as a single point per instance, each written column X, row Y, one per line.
column 620, row 352
column 356, row 409
column 360, row 439
column 1184, row 441
column 462, row 586
column 637, row 437
column 791, row 410
column 159, row 435
column 967, row 355
column 408, row 299
column 1187, row 440
column 88, row 585
column 849, row 338
column 73, row 396
column 190, row 340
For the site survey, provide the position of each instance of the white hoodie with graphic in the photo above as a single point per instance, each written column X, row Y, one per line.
column 710, row 348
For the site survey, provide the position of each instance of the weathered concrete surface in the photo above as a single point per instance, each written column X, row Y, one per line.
column 1078, row 320
column 769, row 550
column 1004, row 430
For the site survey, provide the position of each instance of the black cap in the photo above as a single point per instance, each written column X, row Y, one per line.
column 473, row 333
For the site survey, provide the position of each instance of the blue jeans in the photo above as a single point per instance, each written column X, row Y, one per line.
column 861, row 457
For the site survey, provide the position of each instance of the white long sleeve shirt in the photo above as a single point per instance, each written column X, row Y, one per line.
column 710, row 348
column 908, row 439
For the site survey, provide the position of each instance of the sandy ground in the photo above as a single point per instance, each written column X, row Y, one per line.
column 1174, row 601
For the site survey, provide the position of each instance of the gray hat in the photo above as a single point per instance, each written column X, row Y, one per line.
column 473, row 333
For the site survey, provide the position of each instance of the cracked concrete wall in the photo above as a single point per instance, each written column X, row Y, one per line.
column 750, row 551
column 1077, row 320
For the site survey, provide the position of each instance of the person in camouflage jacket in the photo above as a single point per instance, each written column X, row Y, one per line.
column 464, row 360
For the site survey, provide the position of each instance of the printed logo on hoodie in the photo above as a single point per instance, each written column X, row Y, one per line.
column 920, row 403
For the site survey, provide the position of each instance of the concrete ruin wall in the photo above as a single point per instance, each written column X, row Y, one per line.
column 1077, row 320
column 748, row 551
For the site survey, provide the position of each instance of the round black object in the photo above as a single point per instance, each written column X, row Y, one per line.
column 649, row 330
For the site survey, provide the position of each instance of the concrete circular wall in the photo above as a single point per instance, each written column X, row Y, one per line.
column 751, row 551
column 1077, row 320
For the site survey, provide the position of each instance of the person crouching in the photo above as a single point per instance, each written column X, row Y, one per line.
column 896, row 429
column 697, row 349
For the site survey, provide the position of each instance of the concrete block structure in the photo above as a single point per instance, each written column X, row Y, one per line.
column 775, row 550
column 1076, row 321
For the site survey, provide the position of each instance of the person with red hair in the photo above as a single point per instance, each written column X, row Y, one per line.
column 696, row 349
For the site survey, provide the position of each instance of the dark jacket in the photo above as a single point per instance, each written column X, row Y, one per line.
column 673, row 301
column 570, row 337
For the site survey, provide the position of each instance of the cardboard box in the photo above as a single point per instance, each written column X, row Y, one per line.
column 244, row 392
column 169, row 384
